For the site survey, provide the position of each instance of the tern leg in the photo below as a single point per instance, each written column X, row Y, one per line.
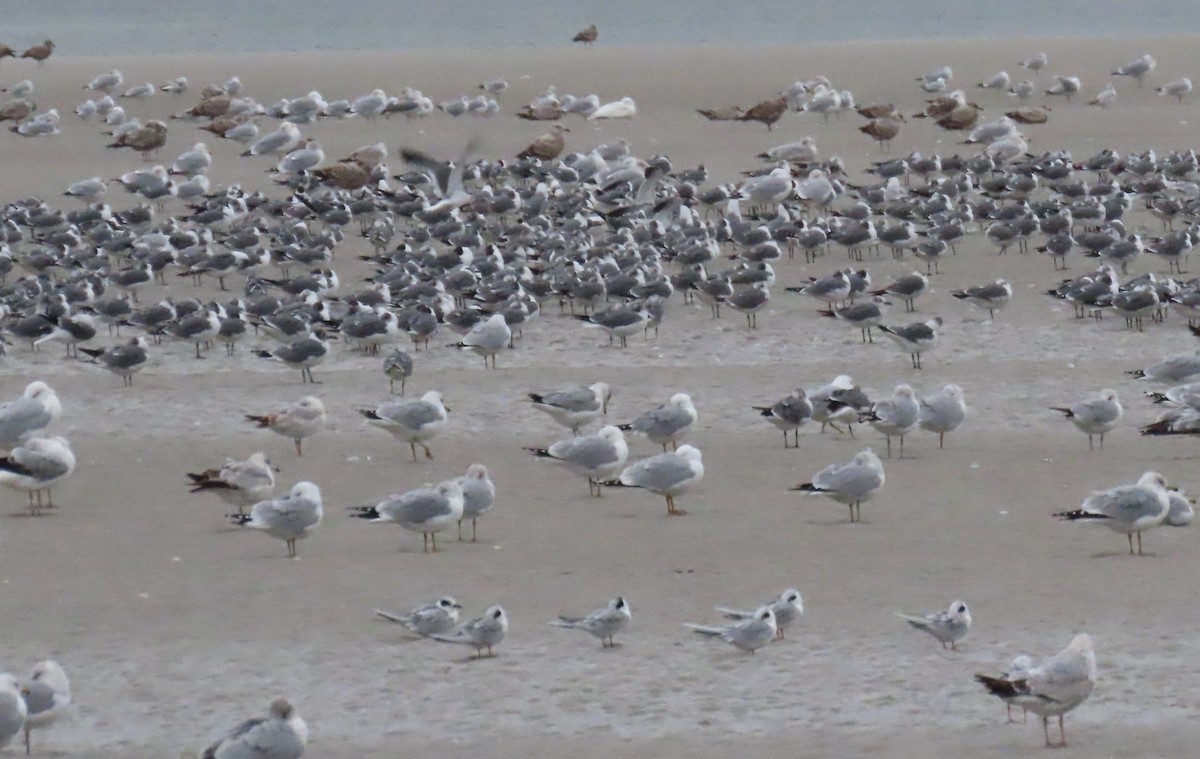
column 1139, row 536
column 425, row 542
column 460, row 537
column 474, row 524
column 433, row 540
column 428, row 453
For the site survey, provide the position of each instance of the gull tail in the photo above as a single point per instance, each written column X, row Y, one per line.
column 93, row 352
column 625, row 427
column 712, row 632
column 1162, row 427
column 369, row 413
column 541, row 453
column 1140, row 374
column 764, row 410
column 363, row 512
column 1070, row 414
column 806, row 487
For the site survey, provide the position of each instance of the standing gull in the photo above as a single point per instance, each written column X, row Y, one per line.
column 788, row 608
column 991, row 297
column 789, row 414
column 667, row 474
column 1128, row 509
column 667, row 423
column 282, row 734
column 487, row 338
column 398, row 365
column 596, row 457
column 412, row 422
column 915, row 338
column 949, row 626
column 851, row 483
column 896, row 416
column 943, row 411
column 124, row 360
column 47, row 694
column 602, row 623
column 587, row 36
column 33, row 412
column 297, row 421
column 238, row 483
column 36, row 466
column 1138, row 68
column 479, row 495
column 1053, row 688
column 424, row 510
column 13, row 710
column 303, row 353
column 574, row 407
column 1096, row 416
column 437, row 618
column 486, row 632
column 289, row 518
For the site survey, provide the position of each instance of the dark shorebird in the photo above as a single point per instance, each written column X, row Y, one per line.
column 587, row 36
column 767, row 112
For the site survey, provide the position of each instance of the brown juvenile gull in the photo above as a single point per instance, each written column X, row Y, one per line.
column 16, row 110
column 1030, row 115
column 767, row 112
column 587, row 36
column 727, row 113
column 7, row 52
column 146, row 140
column 40, row 52
column 548, row 146
column 881, row 130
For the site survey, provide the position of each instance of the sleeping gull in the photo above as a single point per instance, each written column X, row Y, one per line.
column 479, row 495
column 746, row 634
column 788, row 609
column 13, row 710
column 601, row 623
column 851, row 483
column 1053, row 688
column 1138, row 68
column 1178, row 89
column 1177, row 369
column 1128, row 509
column 238, row 483
column 424, row 510
column 297, row 421
column 624, row 108
column 106, row 82
column 574, row 407
column 47, row 694
column 949, row 626
column 412, row 422
column 596, row 457
column 486, row 632
column 1036, row 63
column 896, row 416
column 667, row 423
column 288, row 518
column 1096, row 416
column 36, row 466
column 788, row 414
column 487, row 338
column 437, row 618
column 1065, row 85
column 1105, row 97
column 915, row 338
column 282, row 734
column 943, row 411
column 33, row 412
column 667, row 474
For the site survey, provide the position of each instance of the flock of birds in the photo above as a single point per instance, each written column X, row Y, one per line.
column 478, row 247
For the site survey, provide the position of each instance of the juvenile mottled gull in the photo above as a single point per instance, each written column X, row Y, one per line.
column 297, row 421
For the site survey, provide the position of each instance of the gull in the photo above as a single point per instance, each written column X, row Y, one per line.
column 667, row 474
column 87, row 190
column 124, row 360
column 1022, row 89
column 437, row 618
column 424, row 510
column 145, row 140
column 282, row 734
column 13, row 710
column 766, row 112
column 949, row 626
column 40, row 52
column 371, row 105
column 991, row 297
column 1176, row 369
column 943, row 412
column 297, row 421
column 21, row 89
column 307, row 156
column 851, row 483
column 485, row 632
column 601, row 623
column 1065, row 85
column 667, row 423
column 413, row 422
column 36, row 409
column 1181, row 512
column 832, row 403
column 1105, row 97
column 448, row 177
column 1178, row 89
column 907, row 288
column 998, row 81
column 587, row 36
column 1138, row 68
column 1096, row 416
column 788, row 609
column 192, row 162
column 36, row 466
column 747, row 634
column 106, row 82
column 788, row 414
column 238, row 483
column 1036, row 63
column 283, row 139
column 143, row 90
column 487, row 338
column 1177, row 422
column 575, row 407
column 915, row 338
column 288, row 518
column 895, row 416
column 617, row 321
column 803, row 151
column 41, row 125
column 548, row 146
column 1128, row 509
column 47, row 694
column 397, row 366
column 596, row 457
column 624, row 108
column 302, row 354
column 479, row 495
column 830, row 289
column 176, row 86
column 862, row 315
column 1053, row 688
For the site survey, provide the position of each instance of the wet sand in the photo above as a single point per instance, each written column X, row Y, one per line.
column 174, row 627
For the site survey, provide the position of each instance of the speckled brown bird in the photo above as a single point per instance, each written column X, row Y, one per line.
column 16, row 110
column 767, row 112
column 344, row 176
column 222, row 124
column 941, row 106
column 882, row 130
column 961, row 118
column 209, row 108
column 1030, row 114
column 548, row 146
column 728, row 113
column 146, row 140
column 40, row 52
column 587, row 36
column 7, row 52
column 878, row 111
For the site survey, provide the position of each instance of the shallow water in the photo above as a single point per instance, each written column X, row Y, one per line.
column 99, row 27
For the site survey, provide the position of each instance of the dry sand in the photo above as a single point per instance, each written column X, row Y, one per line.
column 173, row 626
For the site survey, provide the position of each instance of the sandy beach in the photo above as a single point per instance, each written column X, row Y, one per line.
column 174, row 626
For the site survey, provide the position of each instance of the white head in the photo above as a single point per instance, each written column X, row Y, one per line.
column 434, row 397
column 792, row 597
column 683, row 400
column 450, row 490
column 904, row 391
column 477, row 472
column 688, row 453
column 603, row 392
column 842, row 382
column 959, row 612
column 312, row 403
column 306, row 489
column 1109, row 394
column 1020, row 667
column 953, row 391
column 1153, row 480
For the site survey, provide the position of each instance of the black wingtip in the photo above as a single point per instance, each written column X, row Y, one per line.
column 239, row 519
column 625, row 427
column 805, row 487
column 1078, row 514
column 541, row 453
column 363, row 512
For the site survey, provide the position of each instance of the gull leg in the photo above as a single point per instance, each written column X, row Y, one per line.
column 889, row 446
column 299, row 449
column 27, row 740
column 901, row 446
column 425, row 542
column 1046, row 731
column 941, row 439
column 1102, row 441
column 1090, row 447
column 1130, row 538
column 433, row 540
column 1139, row 540
column 460, row 537
column 413, row 446
column 428, row 453
column 474, row 524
